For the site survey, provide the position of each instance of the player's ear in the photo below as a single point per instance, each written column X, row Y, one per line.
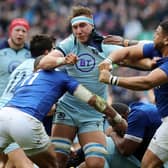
column 166, row 40
column 46, row 52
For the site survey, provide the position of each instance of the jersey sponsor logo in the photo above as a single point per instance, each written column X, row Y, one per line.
column 86, row 62
column 13, row 65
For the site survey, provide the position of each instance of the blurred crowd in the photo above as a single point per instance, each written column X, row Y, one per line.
column 133, row 19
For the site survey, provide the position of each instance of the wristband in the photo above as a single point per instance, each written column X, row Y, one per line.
column 100, row 104
column 117, row 119
column 109, row 60
column 114, row 80
column 60, row 60
column 111, row 76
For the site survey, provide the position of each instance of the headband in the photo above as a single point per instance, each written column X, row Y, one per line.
column 19, row 22
column 78, row 19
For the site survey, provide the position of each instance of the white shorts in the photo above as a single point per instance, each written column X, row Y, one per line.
column 22, row 128
column 159, row 142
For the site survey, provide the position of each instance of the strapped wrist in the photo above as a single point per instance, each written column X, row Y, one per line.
column 117, row 119
column 114, row 80
column 109, row 60
column 60, row 61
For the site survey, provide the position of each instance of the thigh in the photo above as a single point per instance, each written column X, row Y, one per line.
column 89, row 137
column 64, row 131
column 150, row 159
column 5, row 126
column 91, row 132
column 19, row 159
column 159, row 143
column 29, row 133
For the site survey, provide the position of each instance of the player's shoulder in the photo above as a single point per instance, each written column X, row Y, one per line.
column 138, row 109
column 68, row 40
column 4, row 44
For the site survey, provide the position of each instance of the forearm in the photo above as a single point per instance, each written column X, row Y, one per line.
column 119, row 40
column 126, row 42
column 52, row 60
column 132, row 53
column 97, row 102
column 133, row 83
column 118, row 141
column 125, row 146
column 144, row 64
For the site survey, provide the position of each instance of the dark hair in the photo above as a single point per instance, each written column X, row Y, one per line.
column 164, row 25
column 121, row 108
column 39, row 44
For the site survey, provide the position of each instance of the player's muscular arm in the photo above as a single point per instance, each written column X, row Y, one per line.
column 125, row 146
column 132, row 53
column 146, row 64
column 55, row 59
column 154, row 78
column 118, row 40
column 100, row 105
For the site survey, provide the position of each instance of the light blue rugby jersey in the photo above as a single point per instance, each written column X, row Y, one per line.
column 116, row 160
column 86, row 72
column 10, row 59
column 36, row 94
column 20, row 73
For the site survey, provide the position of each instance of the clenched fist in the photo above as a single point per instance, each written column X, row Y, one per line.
column 104, row 76
column 105, row 65
column 71, row 59
column 120, row 128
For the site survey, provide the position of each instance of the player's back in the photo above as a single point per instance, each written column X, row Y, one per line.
column 143, row 120
column 36, row 94
column 21, row 72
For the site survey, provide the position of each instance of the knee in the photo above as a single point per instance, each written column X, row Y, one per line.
column 62, row 150
column 94, row 162
column 95, row 155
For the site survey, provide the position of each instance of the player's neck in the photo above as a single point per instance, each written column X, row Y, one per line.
column 13, row 45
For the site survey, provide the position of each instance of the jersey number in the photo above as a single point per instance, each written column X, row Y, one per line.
column 29, row 80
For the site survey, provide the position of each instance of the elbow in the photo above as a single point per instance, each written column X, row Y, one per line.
column 148, row 84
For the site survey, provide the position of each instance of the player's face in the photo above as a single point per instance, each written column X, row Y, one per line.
column 82, row 31
column 158, row 38
column 18, row 35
